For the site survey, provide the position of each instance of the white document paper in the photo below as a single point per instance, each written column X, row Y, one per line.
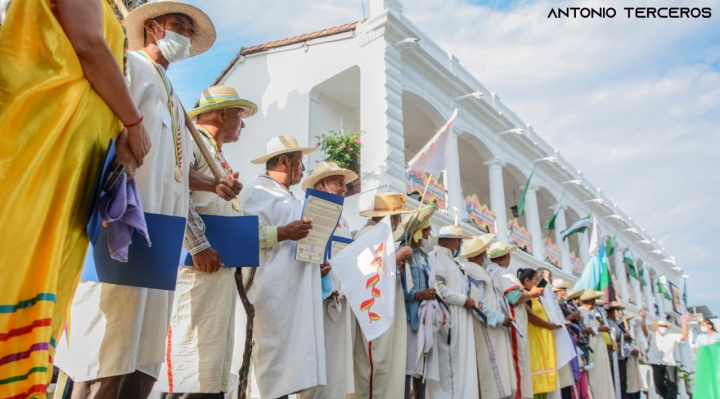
column 324, row 216
column 408, row 278
column 475, row 294
column 336, row 247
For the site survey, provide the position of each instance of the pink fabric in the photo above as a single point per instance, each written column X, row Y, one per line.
column 582, row 388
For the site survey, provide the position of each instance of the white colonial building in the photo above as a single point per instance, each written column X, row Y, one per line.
column 387, row 78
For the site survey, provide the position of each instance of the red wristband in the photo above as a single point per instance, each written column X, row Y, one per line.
column 136, row 123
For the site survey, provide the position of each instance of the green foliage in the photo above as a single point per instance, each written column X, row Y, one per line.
column 341, row 147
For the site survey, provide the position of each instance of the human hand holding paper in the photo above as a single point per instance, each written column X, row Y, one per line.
column 294, row 231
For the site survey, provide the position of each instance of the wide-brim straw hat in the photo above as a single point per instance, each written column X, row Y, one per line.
column 282, row 145
column 500, row 248
column 416, row 219
column 616, row 305
column 560, row 284
column 387, row 204
column 659, row 323
column 572, row 294
column 222, row 97
column 325, row 170
column 599, row 302
column 475, row 245
column 590, row 295
column 201, row 41
column 453, row 231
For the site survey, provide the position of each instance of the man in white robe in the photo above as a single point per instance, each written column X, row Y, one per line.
column 493, row 349
column 289, row 353
column 202, row 325
column 600, row 377
column 380, row 363
column 117, row 334
column 508, row 283
column 456, row 340
column 338, row 319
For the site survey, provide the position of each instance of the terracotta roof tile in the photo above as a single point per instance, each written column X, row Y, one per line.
column 284, row 42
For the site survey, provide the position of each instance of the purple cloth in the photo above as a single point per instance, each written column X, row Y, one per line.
column 122, row 209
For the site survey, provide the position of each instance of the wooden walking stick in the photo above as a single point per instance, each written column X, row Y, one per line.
column 242, row 288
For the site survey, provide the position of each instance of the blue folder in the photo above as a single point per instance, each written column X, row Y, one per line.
column 235, row 238
column 149, row 267
column 479, row 312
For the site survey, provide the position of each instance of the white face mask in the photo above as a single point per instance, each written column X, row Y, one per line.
column 174, row 46
column 486, row 262
column 663, row 330
column 703, row 329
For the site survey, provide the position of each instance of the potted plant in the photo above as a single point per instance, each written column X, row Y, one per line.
column 343, row 147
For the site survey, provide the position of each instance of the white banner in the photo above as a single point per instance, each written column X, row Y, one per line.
column 564, row 348
column 433, row 158
column 367, row 272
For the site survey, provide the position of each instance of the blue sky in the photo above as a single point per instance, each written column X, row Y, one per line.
column 634, row 104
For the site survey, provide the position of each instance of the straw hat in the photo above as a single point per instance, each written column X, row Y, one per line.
column 499, row 248
column 222, row 97
column 387, row 204
column 572, row 294
column 599, row 302
column 589, row 295
column 659, row 323
column 327, row 169
column 420, row 220
column 475, row 245
column 616, row 305
column 560, row 284
column 452, row 232
column 282, row 145
column 134, row 22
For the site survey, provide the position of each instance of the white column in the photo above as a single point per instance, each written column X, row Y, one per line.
column 636, row 286
column 532, row 217
column 452, row 178
column 648, row 291
column 620, row 270
column 497, row 197
column 584, row 246
column 560, row 225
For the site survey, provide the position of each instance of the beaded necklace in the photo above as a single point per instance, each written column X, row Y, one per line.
column 126, row 46
column 158, row 71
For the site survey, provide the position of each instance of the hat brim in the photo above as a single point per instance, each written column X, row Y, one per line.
column 248, row 108
column 563, row 286
column 503, row 253
column 574, row 295
column 201, row 41
column 594, row 296
column 313, row 179
column 370, row 213
column 265, row 158
column 474, row 253
column 418, row 217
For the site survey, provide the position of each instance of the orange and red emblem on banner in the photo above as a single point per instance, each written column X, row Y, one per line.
column 480, row 214
column 415, row 182
column 577, row 264
column 520, row 236
column 552, row 252
column 371, row 283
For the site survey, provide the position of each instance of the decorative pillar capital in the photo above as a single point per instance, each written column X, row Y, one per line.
column 494, row 163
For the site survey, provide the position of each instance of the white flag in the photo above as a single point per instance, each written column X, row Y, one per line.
column 367, row 273
column 594, row 238
column 433, row 158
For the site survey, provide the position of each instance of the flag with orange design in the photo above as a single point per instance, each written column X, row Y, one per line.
column 366, row 270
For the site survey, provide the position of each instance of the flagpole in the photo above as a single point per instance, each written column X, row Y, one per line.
column 417, row 211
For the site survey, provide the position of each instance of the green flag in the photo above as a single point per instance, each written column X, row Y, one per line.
column 643, row 283
column 628, row 260
column 550, row 224
column 605, row 278
column 663, row 288
column 578, row 227
column 610, row 249
column 521, row 204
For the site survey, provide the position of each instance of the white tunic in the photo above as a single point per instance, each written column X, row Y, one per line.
column 389, row 352
column 200, row 341
column 117, row 329
column 339, row 330
column 507, row 281
column 458, row 368
column 493, row 347
column 289, row 351
column 599, row 376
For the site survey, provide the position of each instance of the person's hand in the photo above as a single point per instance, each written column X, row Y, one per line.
column 325, row 269
column 627, row 336
column 685, row 319
column 139, row 142
column 123, row 154
column 574, row 315
column 207, row 261
column 536, row 292
column 635, row 352
column 469, row 303
column 588, row 331
column 643, row 313
column 425, row 295
column 295, row 230
column 603, row 329
column 507, row 322
column 403, row 254
column 558, row 326
column 229, row 186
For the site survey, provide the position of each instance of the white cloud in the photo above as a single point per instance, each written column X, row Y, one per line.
column 634, row 103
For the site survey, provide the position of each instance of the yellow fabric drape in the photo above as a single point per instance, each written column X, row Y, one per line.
column 54, row 130
column 542, row 354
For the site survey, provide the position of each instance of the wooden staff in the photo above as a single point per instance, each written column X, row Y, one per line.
column 243, row 374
